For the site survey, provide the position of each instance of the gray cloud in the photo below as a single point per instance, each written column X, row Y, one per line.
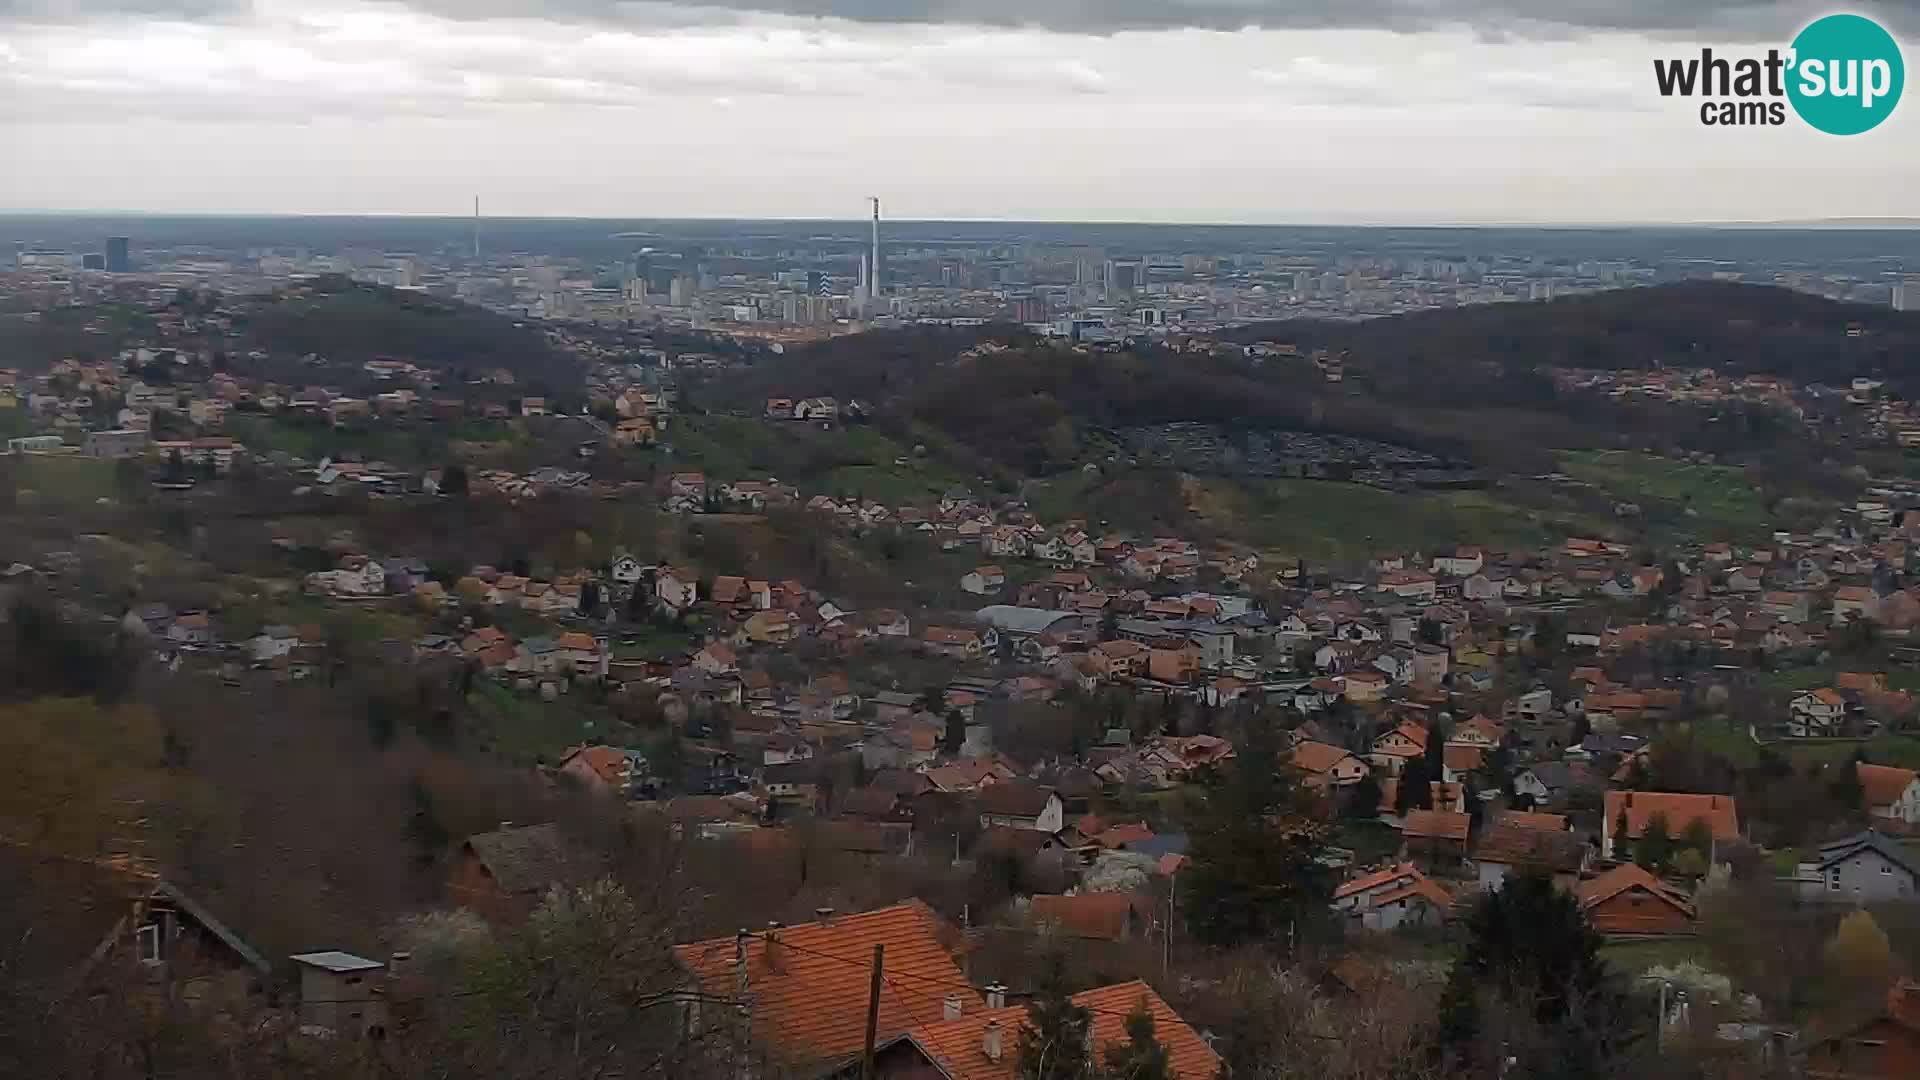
column 71, row 11
column 1720, row 19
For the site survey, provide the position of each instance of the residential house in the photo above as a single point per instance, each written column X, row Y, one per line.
column 1879, row 1044
column 1118, row 659
column 771, row 627
column 1854, row 601
column 502, row 874
column 959, row 643
column 1511, row 845
column 1818, row 712
column 1363, row 687
column 1865, row 868
column 676, row 587
column 1635, row 809
column 1020, row 805
column 606, row 770
column 1629, row 900
column 717, row 658
column 888, row 623
column 1327, row 766
column 1392, row 751
column 808, row 1007
column 960, row 1042
column 984, row 580
column 1396, row 896
column 1891, row 794
column 1100, row 916
column 1437, row 837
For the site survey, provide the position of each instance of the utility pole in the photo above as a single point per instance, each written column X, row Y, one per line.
column 873, row 1013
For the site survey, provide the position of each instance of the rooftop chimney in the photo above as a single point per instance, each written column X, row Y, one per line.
column 990, row 1040
column 506, row 825
column 398, row 961
column 950, row 1008
column 824, row 914
column 740, row 961
column 996, row 996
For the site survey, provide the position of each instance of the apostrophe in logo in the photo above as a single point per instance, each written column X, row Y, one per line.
column 1847, row 74
column 1843, row 75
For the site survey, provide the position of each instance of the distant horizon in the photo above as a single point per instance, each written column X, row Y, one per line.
column 1867, row 223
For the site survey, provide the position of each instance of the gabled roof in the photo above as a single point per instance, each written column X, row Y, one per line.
column 1517, row 845
column 1318, row 757
column 809, row 982
column 1533, row 820
column 521, row 860
column 1437, row 825
column 1680, row 810
column 1376, row 879
column 955, row 1046
column 1015, row 799
column 1094, row 916
column 1869, row 840
column 1629, row 876
column 1883, row 785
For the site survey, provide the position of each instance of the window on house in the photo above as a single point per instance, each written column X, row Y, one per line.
column 147, row 938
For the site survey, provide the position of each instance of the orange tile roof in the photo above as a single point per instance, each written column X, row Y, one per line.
column 1882, row 785
column 1629, row 876
column 575, row 640
column 1318, row 757
column 1437, row 825
column 809, row 989
column 1718, row 811
column 1095, row 916
column 1532, row 820
column 956, row 1045
column 1461, row 758
column 1376, row 879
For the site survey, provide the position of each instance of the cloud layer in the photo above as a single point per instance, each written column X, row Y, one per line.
column 1737, row 19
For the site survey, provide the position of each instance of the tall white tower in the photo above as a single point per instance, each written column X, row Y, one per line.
column 873, row 271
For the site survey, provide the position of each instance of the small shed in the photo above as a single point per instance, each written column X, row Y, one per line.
column 342, row 993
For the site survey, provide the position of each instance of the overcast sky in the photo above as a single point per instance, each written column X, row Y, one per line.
column 1152, row 110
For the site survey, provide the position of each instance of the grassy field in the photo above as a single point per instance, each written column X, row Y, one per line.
column 1809, row 678
column 523, row 729
column 1715, row 501
column 63, row 481
column 855, row 461
column 1634, row 957
column 1733, row 743
column 1327, row 521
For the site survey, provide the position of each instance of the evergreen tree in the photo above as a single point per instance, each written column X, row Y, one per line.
column 1529, row 947
column 1698, row 836
column 1363, row 798
column 955, row 735
column 1141, row 1057
column 1846, row 787
column 1253, row 851
column 1053, row 1040
column 1655, row 847
column 453, row 480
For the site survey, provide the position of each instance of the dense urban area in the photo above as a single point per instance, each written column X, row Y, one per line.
column 959, row 651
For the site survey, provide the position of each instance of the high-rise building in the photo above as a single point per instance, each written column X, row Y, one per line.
column 117, row 259
column 1906, row 293
column 93, row 260
column 816, row 283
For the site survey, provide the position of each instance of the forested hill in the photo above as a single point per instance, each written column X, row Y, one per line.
column 1744, row 329
column 349, row 322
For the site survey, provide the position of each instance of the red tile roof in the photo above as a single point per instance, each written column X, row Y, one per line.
column 810, row 988
column 956, row 1045
column 1680, row 810
column 1883, row 785
column 1437, row 825
column 1094, row 916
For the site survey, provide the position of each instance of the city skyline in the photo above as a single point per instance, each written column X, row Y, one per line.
column 1250, row 113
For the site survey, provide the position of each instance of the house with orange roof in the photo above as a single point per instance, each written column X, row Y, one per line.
column 807, row 985
column 960, row 1042
column 1881, row 1043
column 1890, row 793
column 1629, row 900
column 717, row 658
column 1816, row 712
column 1108, row 916
column 1398, row 895
column 607, row 770
column 1327, row 766
column 1392, row 750
column 1437, row 836
column 1635, row 809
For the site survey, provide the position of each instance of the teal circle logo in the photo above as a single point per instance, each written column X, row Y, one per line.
column 1846, row 74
